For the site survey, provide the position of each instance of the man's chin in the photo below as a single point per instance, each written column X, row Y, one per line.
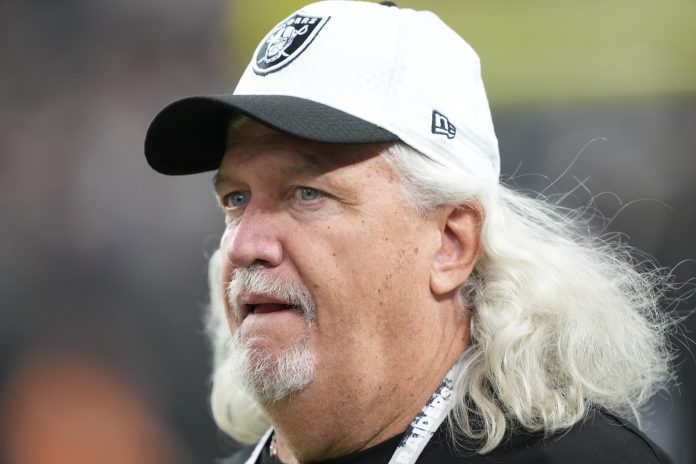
column 269, row 372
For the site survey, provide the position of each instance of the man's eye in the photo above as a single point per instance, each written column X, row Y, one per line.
column 235, row 199
column 308, row 194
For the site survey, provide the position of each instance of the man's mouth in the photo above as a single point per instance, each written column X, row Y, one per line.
column 265, row 308
column 252, row 292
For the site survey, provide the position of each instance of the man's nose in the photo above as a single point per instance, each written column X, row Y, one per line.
column 254, row 240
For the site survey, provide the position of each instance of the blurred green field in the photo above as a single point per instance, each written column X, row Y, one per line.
column 543, row 50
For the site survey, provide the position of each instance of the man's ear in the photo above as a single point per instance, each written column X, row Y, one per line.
column 459, row 247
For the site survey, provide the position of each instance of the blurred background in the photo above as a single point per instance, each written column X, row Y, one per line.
column 103, row 262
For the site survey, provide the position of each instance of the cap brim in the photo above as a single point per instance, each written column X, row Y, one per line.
column 190, row 135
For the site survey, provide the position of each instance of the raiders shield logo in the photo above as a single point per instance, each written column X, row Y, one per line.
column 286, row 42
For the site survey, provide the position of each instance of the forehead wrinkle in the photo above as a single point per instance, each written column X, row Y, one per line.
column 312, row 158
column 307, row 163
column 245, row 138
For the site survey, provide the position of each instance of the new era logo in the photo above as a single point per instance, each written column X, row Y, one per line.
column 442, row 126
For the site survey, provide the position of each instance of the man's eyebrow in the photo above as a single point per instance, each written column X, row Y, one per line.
column 312, row 164
column 219, row 180
column 310, row 167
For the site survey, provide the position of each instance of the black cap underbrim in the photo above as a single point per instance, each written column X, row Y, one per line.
column 190, row 135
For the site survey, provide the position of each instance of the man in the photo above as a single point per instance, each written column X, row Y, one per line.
column 387, row 299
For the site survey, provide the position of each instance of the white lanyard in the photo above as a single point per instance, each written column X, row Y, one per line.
column 259, row 447
column 427, row 420
column 420, row 431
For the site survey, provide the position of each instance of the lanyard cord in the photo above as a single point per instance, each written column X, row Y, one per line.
column 428, row 420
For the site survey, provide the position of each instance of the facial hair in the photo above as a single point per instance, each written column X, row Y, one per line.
column 257, row 279
column 266, row 376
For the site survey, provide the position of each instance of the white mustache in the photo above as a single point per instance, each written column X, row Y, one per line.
column 257, row 279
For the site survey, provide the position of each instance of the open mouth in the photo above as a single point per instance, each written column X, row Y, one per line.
column 265, row 308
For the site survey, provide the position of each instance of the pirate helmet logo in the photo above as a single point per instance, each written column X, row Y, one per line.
column 286, row 42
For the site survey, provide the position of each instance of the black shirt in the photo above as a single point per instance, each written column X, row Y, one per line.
column 602, row 438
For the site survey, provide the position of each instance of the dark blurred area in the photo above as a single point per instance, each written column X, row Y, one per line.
column 103, row 261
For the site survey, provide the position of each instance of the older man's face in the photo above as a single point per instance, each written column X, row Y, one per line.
column 329, row 258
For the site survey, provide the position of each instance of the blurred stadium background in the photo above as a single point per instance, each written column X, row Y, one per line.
column 103, row 261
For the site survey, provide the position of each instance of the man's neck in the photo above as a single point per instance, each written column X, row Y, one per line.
column 326, row 420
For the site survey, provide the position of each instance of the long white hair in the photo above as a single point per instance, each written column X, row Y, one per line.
column 235, row 411
column 561, row 320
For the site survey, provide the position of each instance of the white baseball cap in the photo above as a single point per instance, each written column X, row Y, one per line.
column 345, row 72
